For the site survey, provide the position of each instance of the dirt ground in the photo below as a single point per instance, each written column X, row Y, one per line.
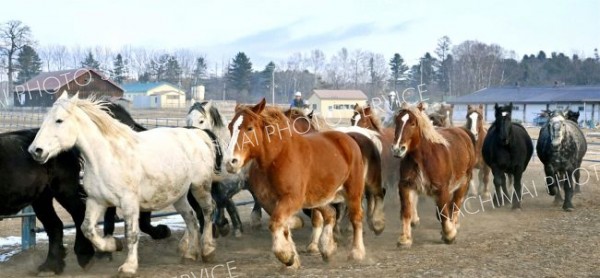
column 541, row 240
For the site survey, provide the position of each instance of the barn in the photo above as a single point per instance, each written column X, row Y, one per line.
column 336, row 103
column 43, row 89
column 155, row 95
column 528, row 102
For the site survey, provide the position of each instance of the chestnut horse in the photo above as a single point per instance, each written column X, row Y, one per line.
column 437, row 162
column 475, row 125
column 374, row 192
column 292, row 171
column 365, row 117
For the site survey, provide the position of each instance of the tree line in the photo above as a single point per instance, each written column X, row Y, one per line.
column 448, row 71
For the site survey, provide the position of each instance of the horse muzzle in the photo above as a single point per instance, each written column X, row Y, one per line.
column 233, row 165
column 399, row 151
column 38, row 154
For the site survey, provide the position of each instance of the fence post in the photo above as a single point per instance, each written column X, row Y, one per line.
column 27, row 230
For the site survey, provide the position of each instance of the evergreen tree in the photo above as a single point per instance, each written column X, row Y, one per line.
column 29, row 64
column 199, row 71
column 398, row 68
column 172, row 71
column 424, row 72
column 90, row 62
column 119, row 71
column 239, row 73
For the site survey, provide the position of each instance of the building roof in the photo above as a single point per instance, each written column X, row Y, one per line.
column 164, row 92
column 140, row 87
column 564, row 94
column 53, row 80
column 340, row 94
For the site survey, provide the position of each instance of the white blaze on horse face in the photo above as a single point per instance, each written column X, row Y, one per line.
column 404, row 121
column 504, row 114
column 192, row 119
column 356, row 118
column 474, row 117
column 234, row 136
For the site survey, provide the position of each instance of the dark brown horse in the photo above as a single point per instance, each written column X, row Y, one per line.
column 436, row 162
column 365, row 117
column 292, row 171
column 475, row 125
column 374, row 192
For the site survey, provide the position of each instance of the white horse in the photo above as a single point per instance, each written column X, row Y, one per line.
column 134, row 171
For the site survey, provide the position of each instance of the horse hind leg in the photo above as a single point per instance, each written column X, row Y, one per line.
column 131, row 212
column 188, row 244
column 415, row 219
column 256, row 214
column 445, row 216
column 327, row 245
column 484, row 179
column 44, row 211
column 202, row 194
column 156, row 232
column 569, row 190
column 317, row 222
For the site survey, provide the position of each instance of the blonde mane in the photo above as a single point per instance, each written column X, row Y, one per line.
column 427, row 129
column 270, row 115
column 375, row 120
column 98, row 113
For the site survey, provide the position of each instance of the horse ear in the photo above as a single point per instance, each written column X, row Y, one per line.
column 310, row 115
column 422, row 106
column 469, row 107
column 76, row 95
column 203, row 103
column 510, row 106
column 258, row 108
column 481, row 106
column 64, row 95
column 404, row 105
column 496, row 106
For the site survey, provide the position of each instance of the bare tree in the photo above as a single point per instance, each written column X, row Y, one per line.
column 14, row 35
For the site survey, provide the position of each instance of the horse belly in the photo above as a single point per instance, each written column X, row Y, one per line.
column 158, row 195
column 336, row 197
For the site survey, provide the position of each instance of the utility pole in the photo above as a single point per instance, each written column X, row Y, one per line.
column 273, row 85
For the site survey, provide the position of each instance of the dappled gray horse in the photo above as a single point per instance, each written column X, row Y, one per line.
column 561, row 147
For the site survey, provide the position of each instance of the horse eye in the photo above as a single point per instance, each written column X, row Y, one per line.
column 59, row 121
column 201, row 122
column 250, row 128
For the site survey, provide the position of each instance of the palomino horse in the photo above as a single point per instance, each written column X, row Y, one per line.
column 205, row 115
column 365, row 117
column 433, row 166
column 292, row 171
column 507, row 149
column 441, row 114
column 561, row 147
column 475, row 125
column 134, row 171
column 308, row 123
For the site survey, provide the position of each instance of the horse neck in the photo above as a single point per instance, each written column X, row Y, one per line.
column 273, row 144
column 97, row 150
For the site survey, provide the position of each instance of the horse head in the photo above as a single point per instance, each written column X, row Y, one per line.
column 246, row 135
column 503, row 122
column 556, row 127
column 573, row 116
column 364, row 117
column 301, row 122
column 204, row 115
column 474, row 119
column 406, row 135
column 58, row 131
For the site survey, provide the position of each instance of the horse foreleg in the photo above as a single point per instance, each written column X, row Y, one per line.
column 189, row 242
column 44, row 211
column 202, row 194
column 283, row 245
column 317, row 229
column 406, row 213
column 415, row 219
column 499, row 183
column 484, row 179
column 159, row 232
column 568, row 188
column 458, row 199
column 131, row 212
column 326, row 243
column 516, row 204
column 93, row 212
column 445, row 216
column 256, row 214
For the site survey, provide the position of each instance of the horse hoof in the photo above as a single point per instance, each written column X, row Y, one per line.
column 404, row 242
column 126, row 275
column 237, row 234
column 568, row 209
column 118, row 244
column 46, row 273
column 356, row 255
column 449, row 240
column 209, row 257
column 47, row 269
column 224, row 230
column 161, row 232
column 85, row 261
column 312, row 248
column 517, row 209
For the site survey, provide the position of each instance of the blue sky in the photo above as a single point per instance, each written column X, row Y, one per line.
column 275, row 30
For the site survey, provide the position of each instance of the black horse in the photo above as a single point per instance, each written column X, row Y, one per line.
column 25, row 182
column 507, row 149
column 561, row 147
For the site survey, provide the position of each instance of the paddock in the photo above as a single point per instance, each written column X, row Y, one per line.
column 540, row 240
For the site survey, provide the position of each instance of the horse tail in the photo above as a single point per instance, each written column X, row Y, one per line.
column 214, row 140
